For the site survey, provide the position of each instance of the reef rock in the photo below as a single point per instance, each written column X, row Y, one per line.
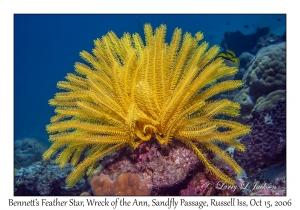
column 275, row 188
column 266, row 144
column 160, row 166
column 239, row 43
column 45, row 178
column 201, row 182
column 168, row 169
column 27, row 151
column 267, row 40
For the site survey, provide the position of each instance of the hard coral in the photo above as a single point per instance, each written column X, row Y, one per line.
column 125, row 184
column 270, row 100
column 245, row 58
column 267, row 73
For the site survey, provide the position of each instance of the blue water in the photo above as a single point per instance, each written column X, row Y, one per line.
column 47, row 46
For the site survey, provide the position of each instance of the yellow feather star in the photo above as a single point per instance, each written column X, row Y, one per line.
column 131, row 92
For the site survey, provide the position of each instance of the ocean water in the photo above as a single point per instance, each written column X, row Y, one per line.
column 47, row 46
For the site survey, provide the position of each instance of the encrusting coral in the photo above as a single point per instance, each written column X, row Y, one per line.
column 131, row 92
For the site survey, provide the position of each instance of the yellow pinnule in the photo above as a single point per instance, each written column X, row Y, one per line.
column 132, row 91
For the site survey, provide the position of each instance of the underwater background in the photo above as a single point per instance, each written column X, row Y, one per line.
column 47, row 46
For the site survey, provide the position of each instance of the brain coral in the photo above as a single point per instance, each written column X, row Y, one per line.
column 270, row 100
column 267, row 73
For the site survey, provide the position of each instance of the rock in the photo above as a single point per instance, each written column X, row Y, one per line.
column 266, row 144
column 168, row 169
column 27, row 151
column 160, row 166
column 45, row 178
column 239, row 43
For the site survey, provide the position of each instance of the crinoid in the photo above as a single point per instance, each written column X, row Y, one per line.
column 131, row 92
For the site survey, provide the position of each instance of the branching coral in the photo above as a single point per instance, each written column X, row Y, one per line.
column 132, row 91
